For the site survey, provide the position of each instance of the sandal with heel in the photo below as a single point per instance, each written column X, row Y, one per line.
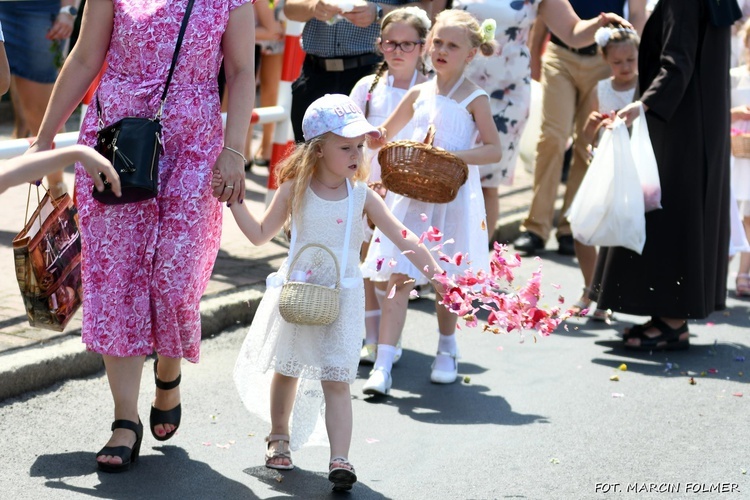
column 742, row 285
column 161, row 417
column 668, row 338
column 128, row 455
column 341, row 474
column 281, row 450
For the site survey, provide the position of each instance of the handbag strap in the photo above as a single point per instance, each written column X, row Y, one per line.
column 176, row 54
column 347, row 233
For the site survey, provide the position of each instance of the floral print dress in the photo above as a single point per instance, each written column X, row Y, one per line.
column 146, row 265
column 505, row 76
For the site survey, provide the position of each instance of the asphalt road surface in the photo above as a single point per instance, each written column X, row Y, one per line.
column 532, row 420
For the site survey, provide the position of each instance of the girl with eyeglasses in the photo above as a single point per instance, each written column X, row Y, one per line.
column 403, row 32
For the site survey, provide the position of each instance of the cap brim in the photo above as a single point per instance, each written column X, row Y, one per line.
column 357, row 128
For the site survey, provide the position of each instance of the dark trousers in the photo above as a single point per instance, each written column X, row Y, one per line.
column 315, row 82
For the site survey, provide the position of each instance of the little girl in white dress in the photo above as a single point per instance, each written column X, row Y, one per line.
column 307, row 370
column 459, row 111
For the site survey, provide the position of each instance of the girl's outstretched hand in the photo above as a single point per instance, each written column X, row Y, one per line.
column 100, row 170
column 374, row 143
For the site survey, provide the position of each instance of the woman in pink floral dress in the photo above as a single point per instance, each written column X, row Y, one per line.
column 146, row 264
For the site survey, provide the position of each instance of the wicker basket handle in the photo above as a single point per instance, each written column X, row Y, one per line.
column 430, row 135
column 315, row 245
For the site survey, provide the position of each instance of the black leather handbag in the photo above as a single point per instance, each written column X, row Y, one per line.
column 133, row 145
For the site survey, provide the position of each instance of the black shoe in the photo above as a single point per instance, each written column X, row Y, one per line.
column 529, row 242
column 128, row 455
column 565, row 245
column 158, row 416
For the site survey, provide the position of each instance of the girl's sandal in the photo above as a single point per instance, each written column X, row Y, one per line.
column 603, row 315
column 280, row 451
column 582, row 306
column 742, row 285
column 341, row 474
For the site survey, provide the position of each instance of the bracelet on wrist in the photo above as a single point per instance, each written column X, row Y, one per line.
column 244, row 160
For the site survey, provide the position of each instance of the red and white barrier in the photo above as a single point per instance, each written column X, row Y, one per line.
column 283, row 137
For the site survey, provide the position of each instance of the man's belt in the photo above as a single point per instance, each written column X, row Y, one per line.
column 589, row 50
column 343, row 63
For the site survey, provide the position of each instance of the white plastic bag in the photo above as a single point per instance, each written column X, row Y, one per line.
column 608, row 207
column 645, row 163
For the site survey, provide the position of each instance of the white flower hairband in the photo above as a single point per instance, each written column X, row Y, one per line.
column 488, row 28
column 418, row 13
column 603, row 35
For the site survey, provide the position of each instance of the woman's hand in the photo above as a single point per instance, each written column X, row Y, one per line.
column 631, row 112
column 62, row 28
column 606, row 18
column 230, row 170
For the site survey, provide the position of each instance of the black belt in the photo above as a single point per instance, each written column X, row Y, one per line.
column 343, row 63
column 589, row 50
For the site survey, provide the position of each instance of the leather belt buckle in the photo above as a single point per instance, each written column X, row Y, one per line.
column 334, row 64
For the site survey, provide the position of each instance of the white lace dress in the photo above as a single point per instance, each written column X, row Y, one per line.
column 611, row 99
column 462, row 220
column 311, row 353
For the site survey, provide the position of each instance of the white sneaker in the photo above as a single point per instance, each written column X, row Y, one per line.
column 379, row 383
column 368, row 354
column 445, row 377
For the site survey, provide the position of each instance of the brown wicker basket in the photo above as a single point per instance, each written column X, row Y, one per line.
column 307, row 303
column 421, row 171
column 741, row 146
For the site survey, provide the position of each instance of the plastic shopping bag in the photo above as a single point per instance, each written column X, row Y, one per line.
column 608, row 207
column 47, row 255
column 645, row 163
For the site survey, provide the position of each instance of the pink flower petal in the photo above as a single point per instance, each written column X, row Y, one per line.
column 407, row 252
column 379, row 263
column 392, row 263
column 392, row 292
column 414, row 294
column 737, row 394
column 403, row 233
column 377, row 240
column 339, row 221
column 372, row 440
column 206, row 443
column 423, row 217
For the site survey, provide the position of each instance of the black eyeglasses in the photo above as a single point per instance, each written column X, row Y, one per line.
column 389, row 46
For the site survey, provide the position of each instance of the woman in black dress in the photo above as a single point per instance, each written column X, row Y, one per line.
column 684, row 82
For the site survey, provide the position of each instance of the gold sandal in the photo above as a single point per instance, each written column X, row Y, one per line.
column 281, row 450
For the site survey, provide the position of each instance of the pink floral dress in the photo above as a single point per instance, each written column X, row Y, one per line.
column 146, row 265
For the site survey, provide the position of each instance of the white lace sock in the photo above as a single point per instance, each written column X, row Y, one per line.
column 386, row 353
column 372, row 325
column 447, row 343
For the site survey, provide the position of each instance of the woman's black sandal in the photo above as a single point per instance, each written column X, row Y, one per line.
column 667, row 340
column 128, row 455
column 161, row 417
